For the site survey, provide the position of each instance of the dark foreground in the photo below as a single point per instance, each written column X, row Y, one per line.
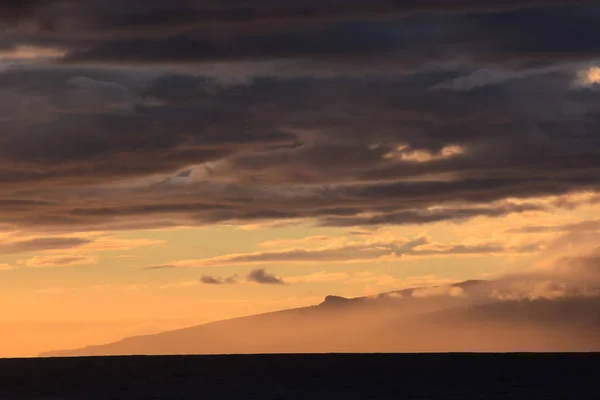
column 286, row 377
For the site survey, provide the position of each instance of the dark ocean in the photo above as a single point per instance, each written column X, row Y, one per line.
column 310, row 377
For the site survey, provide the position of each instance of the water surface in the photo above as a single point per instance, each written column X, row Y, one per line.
column 311, row 377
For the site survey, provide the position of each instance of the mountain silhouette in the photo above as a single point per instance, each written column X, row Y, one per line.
column 461, row 317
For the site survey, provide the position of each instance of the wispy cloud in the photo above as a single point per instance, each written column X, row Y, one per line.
column 356, row 252
column 114, row 244
column 581, row 226
column 311, row 240
column 15, row 244
column 42, row 244
column 58, row 261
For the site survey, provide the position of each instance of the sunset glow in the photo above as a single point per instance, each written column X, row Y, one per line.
column 233, row 160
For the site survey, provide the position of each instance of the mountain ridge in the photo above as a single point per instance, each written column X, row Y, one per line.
column 397, row 321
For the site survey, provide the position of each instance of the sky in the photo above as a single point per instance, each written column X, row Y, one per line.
column 169, row 163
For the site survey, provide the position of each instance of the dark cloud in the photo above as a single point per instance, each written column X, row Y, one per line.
column 158, row 15
column 402, row 33
column 478, row 36
column 260, row 276
column 187, row 14
column 534, row 33
column 125, row 147
column 118, row 125
column 16, row 10
column 252, row 151
column 429, row 216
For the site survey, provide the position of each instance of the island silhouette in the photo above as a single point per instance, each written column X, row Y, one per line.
column 471, row 316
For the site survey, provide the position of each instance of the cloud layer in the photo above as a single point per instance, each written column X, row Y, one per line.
column 353, row 114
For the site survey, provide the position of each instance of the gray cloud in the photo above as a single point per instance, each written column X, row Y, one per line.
column 261, row 132
column 429, row 216
column 441, row 38
column 122, row 147
column 211, row 280
column 260, row 276
column 162, row 32
column 137, row 16
column 14, row 11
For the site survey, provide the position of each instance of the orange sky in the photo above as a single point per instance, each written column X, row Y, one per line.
column 228, row 160
column 104, row 290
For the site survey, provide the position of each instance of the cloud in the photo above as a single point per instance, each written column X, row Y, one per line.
column 6, row 267
column 429, row 216
column 355, row 252
column 331, row 39
column 583, row 226
column 159, row 16
column 211, row 280
column 366, row 114
column 20, row 53
column 168, row 32
column 378, row 284
column 42, row 244
column 436, row 291
column 569, row 267
column 536, row 290
column 58, row 261
column 86, row 94
column 159, row 267
column 573, row 284
column 259, row 138
column 261, row 277
column 307, row 35
column 15, row 10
